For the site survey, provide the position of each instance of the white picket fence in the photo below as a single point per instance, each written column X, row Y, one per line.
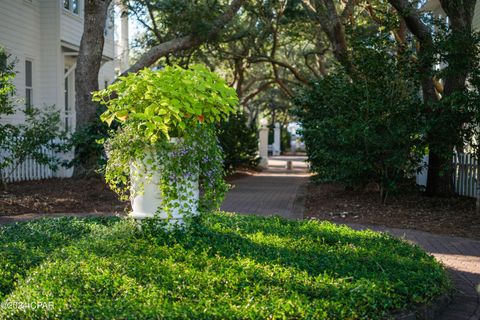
column 465, row 174
column 31, row 170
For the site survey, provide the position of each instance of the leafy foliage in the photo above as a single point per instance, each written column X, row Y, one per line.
column 164, row 103
column 239, row 143
column 226, row 266
column 285, row 139
column 7, row 89
column 366, row 128
column 28, row 140
column 457, row 112
column 154, row 106
column 89, row 153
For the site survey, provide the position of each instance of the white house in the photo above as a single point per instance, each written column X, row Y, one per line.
column 44, row 38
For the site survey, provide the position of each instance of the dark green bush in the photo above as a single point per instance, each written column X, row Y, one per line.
column 30, row 139
column 285, row 140
column 239, row 143
column 227, row 266
column 90, row 154
column 366, row 127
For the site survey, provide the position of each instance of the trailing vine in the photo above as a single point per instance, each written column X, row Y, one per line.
column 167, row 132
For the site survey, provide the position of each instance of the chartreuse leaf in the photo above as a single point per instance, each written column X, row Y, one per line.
column 178, row 99
column 122, row 115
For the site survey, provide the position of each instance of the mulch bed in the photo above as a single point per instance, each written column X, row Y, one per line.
column 60, row 196
column 409, row 210
column 451, row 216
column 69, row 196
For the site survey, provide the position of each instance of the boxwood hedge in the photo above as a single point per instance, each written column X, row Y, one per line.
column 226, row 266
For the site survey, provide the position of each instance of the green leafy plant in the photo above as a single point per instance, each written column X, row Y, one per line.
column 226, row 266
column 154, row 106
column 285, row 139
column 166, row 103
column 239, row 143
column 89, row 154
column 31, row 139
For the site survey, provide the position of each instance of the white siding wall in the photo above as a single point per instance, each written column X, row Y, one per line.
column 71, row 29
column 34, row 30
column 476, row 17
column 71, row 26
column 108, row 49
column 52, row 62
column 107, row 73
column 19, row 25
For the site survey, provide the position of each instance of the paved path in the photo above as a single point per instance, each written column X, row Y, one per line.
column 277, row 191
column 271, row 192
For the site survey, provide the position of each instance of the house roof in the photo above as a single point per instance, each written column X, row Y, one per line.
column 73, row 49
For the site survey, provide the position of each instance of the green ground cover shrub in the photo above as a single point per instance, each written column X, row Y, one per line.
column 226, row 266
column 239, row 143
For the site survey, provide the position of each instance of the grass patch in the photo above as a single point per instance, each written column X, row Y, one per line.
column 227, row 266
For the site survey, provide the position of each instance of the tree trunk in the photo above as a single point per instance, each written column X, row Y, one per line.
column 460, row 13
column 90, row 57
column 439, row 180
column 332, row 23
column 88, row 66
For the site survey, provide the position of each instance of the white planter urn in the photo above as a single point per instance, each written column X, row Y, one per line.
column 146, row 195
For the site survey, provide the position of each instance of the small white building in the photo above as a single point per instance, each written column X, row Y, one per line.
column 43, row 36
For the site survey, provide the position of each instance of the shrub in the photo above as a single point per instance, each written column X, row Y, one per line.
column 367, row 127
column 285, row 141
column 27, row 140
column 239, row 143
column 225, row 266
column 90, row 157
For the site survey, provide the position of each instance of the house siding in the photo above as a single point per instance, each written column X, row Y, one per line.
column 476, row 17
column 51, row 53
column 71, row 27
column 23, row 16
column 35, row 30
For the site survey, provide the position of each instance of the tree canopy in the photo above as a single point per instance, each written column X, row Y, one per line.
column 272, row 51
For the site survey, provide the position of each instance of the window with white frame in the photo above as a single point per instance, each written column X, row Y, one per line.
column 28, row 84
column 72, row 5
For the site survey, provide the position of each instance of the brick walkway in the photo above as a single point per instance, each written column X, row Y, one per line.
column 271, row 192
column 279, row 191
